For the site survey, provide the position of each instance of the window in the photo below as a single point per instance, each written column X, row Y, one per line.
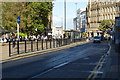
column 119, row 8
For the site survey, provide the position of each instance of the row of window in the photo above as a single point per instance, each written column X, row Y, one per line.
column 107, row 17
column 108, row 9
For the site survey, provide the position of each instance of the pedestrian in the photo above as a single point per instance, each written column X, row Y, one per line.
column 42, row 37
column 3, row 39
column 13, row 39
column 38, row 37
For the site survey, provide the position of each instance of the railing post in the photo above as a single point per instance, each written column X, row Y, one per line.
column 9, row 48
column 37, row 44
column 42, row 44
column 18, row 46
column 63, row 41
column 53, row 44
column 31, row 45
column 59, row 42
column 66, row 41
column 46, row 43
column 50, row 44
column 25, row 47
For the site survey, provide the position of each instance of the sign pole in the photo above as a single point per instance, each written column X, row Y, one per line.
column 18, row 24
column 17, row 31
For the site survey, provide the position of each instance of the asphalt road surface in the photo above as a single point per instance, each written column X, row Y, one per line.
column 74, row 62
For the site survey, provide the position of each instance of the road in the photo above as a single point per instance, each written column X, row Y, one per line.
column 73, row 62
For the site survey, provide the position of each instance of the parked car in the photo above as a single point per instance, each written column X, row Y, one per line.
column 96, row 39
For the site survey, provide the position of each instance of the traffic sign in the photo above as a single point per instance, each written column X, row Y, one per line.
column 18, row 19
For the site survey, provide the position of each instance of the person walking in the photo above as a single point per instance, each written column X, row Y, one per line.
column 2, row 39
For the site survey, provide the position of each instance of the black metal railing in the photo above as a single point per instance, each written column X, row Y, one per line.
column 37, row 45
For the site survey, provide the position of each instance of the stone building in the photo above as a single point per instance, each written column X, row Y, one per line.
column 83, row 21
column 101, row 10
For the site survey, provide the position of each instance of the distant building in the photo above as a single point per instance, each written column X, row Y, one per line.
column 83, row 21
column 101, row 10
column 75, row 23
column 80, row 20
column 57, row 32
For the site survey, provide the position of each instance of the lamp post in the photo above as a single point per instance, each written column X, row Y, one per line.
column 76, row 15
column 65, row 14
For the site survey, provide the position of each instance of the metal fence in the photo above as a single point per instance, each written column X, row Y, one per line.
column 20, row 47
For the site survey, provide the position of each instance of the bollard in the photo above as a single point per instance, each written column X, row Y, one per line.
column 53, row 43
column 18, row 46
column 59, row 42
column 25, row 47
column 31, row 45
column 46, row 44
column 42, row 44
column 63, row 41
column 66, row 42
column 9, row 48
column 50, row 44
column 37, row 44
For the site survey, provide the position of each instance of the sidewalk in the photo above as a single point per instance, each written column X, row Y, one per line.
column 114, row 68
column 6, row 57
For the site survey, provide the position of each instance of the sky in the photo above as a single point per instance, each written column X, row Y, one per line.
column 58, row 12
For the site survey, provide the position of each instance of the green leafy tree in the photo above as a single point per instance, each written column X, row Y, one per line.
column 39, row 13
column 33, row 15
column 106, row 25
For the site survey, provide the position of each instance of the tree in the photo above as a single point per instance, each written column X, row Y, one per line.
column 106, row 25
column 33, row 15
column 39, row 13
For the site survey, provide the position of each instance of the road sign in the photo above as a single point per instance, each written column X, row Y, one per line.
column 18, row 19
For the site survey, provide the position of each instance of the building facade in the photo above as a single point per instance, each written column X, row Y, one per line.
column 75, row 23
column 80, row 20
column 83, row 21
column 101, row 10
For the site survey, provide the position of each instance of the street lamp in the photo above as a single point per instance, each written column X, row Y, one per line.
column 65, row 14
column 76, row 15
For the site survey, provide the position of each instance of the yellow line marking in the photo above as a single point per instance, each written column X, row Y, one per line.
column 95, row 75
column 102, row 59
column 27, row 56
column 35, row 53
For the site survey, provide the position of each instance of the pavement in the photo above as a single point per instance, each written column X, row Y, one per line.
column 114, row 67
column 4, row 51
